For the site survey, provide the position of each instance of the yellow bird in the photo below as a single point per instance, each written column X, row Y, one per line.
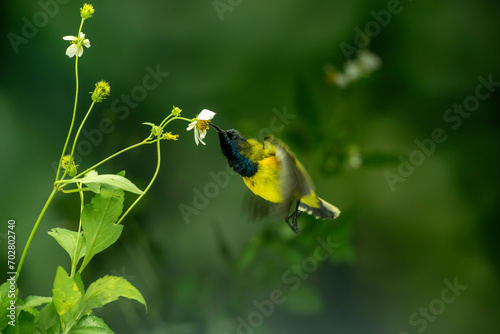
column 270, row 170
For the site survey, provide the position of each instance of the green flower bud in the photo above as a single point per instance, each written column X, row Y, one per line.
column 68, row 163
column 86, row 11
column 100, row 92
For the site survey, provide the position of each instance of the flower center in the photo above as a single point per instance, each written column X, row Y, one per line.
column 202, row 125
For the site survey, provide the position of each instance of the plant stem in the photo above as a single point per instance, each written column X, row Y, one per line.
column 80, row 129
column 150, row 183
column 33, row 231
column 54, row 190
column 144, row 142
column 163, row 124
column 76, row 255
column 74, row 111
column 72, row 123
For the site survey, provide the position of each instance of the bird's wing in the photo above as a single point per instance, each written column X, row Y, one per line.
column 256, row 208
column 294, row 181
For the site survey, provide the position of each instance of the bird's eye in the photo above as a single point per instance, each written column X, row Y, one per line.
column 234, row 135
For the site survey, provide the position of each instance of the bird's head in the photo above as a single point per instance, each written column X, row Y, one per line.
column 234, row 147
column 229, row 139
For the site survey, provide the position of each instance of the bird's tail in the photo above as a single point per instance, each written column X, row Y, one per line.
column 325, row 210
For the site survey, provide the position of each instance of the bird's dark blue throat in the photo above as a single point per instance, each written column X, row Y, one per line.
column 230, row 144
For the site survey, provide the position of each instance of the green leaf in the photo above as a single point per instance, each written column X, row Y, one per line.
column 90, row 325
column 5, row 298
column 118, row 181
column 79, row 283
column 98, row 222
column 67, row 298
column 33, row 301
column 47, row 320
column 94, row 187
column 68, row 240
column 25, row 322
column 108, row 289
column 12, row 329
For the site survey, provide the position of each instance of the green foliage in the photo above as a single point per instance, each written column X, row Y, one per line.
column 90, row 325
column 108, row 289
column 94, row 181
column 72, row 242
column 69, row 310
column 31, row 302
column 67, row 299
column 4, row 304
column 98, row 222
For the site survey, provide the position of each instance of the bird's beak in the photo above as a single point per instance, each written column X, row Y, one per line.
column 219, row 130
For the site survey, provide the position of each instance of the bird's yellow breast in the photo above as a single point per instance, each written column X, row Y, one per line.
column 265, row 182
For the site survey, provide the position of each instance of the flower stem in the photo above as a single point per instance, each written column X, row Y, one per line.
column 163, row 124
column 76, row 255
column 55, row 189
column 80, row 129
column 144, row 142
column 33, row 231
column 72, row 123
column 150, row 183
column 74, row 112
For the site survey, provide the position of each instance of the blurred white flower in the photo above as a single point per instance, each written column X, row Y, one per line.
column 363, row 65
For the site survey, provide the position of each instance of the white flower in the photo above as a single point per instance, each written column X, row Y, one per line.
column 362, row 66
column 77, row 44
column 200, row 125
column 369, row 61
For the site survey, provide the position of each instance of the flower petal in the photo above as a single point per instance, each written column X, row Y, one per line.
column 71, row 50
column 191, row 126
column 80, row 51
column 206, row 115
column 203, row 134
column 69, row 38
column 86, row 42
column 196, row 136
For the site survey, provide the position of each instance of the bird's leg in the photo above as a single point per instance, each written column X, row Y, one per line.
column 295, row 216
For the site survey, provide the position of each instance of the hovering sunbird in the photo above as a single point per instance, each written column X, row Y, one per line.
column 270, row 170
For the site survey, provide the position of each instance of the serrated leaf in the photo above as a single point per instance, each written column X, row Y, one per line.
column 91, row 325
column 118, row 181
column 98, row 222
column 108, row 289
column 47, row 320
column 5, row 303
column 79, row 283
column 68, row 240
column 67, row 298
column 33, row 301
column 25, row 322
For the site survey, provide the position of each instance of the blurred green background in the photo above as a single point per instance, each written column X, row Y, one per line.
column 397, row 248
